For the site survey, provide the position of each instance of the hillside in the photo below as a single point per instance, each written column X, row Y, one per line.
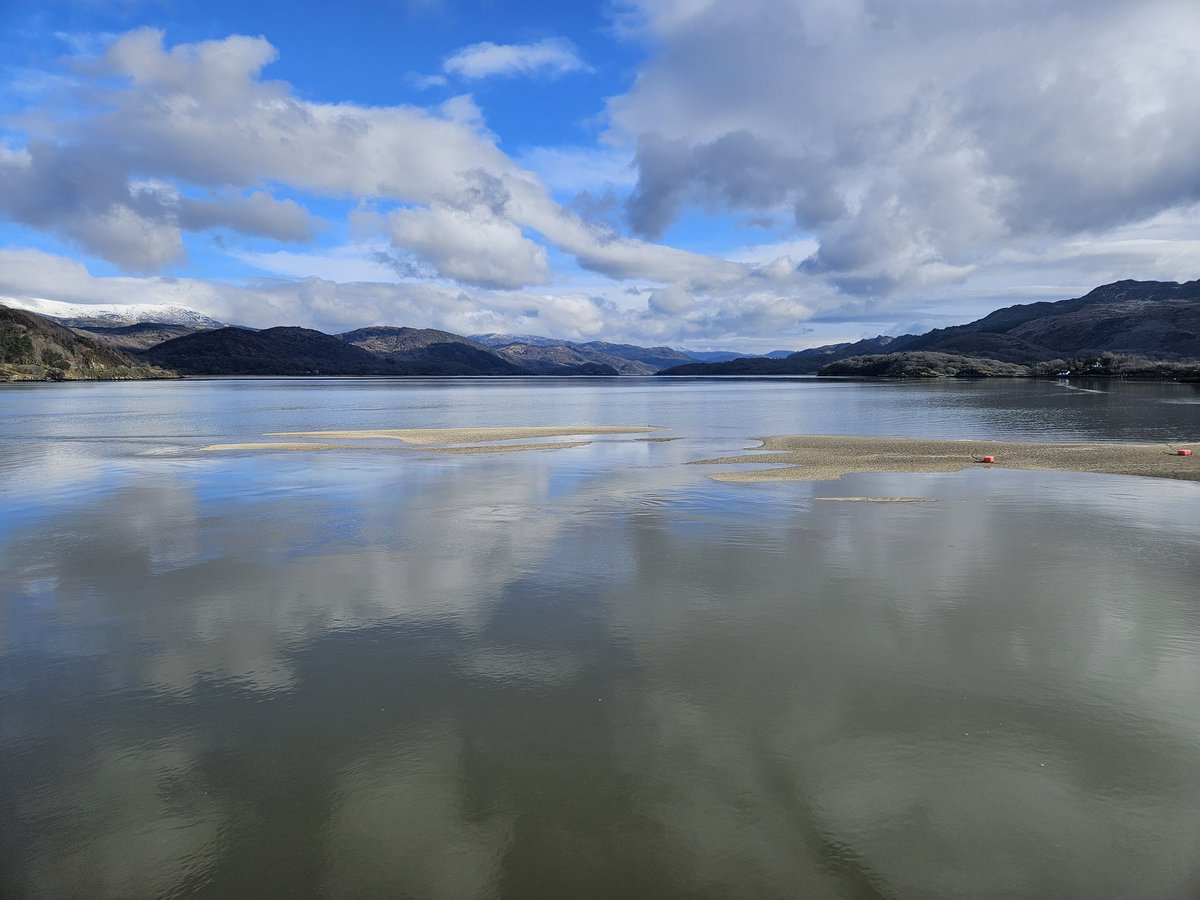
column 1153, row 320
column 427, row 351
column 33, row 348
column 569, row 359
column 654, row 358
column 140, row 336
column 924, row 365
column 272, row 351
column 544, row 354
column 744, row 365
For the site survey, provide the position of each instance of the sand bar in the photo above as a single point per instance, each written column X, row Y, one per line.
column 828, row 458
column 430, row 436
column 508, row 448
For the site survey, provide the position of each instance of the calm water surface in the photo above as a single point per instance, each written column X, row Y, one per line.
column 590, row 672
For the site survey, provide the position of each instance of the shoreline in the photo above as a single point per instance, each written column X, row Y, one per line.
column 830, row 457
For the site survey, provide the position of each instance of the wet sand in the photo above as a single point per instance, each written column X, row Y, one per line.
column 828, row 458
column 428, row 436
column 508, row 448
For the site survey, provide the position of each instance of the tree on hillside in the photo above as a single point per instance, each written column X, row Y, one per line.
column 15, row 344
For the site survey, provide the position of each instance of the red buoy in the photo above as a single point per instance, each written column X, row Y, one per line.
column 1183, row 452
column 987, row 459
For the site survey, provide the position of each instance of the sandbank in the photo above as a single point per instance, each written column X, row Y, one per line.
column 428, row 436
column 829, row 457
column 508, row 448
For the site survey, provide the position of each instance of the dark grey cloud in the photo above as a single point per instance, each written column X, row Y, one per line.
column 256, row 214
column 916, row 135
column 738, row 170
column 87, row 192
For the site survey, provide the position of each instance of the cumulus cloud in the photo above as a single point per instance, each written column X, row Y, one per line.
column 548, row 58
column 915, row 139
column 200, row 118
column 256, row 214
column 471, row 245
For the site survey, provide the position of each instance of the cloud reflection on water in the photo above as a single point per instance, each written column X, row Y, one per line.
column 452, row 678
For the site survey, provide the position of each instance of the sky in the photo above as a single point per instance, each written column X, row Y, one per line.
column 749, row 175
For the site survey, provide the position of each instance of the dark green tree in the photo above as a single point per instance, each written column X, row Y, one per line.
column 15, row 344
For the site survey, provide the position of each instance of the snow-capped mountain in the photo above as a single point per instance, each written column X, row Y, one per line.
column 494, row 339
column 111, row 315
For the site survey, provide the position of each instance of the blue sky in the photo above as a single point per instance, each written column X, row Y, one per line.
column 751, row 175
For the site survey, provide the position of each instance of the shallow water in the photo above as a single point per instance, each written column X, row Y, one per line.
column 592, row 671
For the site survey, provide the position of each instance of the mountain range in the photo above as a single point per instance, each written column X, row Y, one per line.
column 1150, row 320
column 112, row 315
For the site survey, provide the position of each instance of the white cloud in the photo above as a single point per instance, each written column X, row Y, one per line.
column 200, row 117
column 473, row 246
column 915, row 139
column 550, row 58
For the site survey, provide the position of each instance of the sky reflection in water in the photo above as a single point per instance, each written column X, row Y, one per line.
column 588, row 671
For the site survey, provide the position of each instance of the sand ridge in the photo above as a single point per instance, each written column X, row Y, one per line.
column 829, row 457
column 469, row 449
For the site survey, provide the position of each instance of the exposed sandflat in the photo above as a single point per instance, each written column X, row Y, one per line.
column 827, row 458
column 508, row 448
column 428, row 436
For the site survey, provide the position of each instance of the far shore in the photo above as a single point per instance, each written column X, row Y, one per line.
column 830, row 457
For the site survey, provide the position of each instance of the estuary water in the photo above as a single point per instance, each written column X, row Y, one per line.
column 591, row 672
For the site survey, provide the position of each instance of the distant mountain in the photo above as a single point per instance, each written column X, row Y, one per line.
column 567, row 359
column 648, row 359
column 743, row 365
column 379, row 350
column 34, row 348
column 387, row 339
column 112, row 315
column 494, row 339
column 136, row 337
column 272, row 351
column 814, row 358
column 655, row 358
column 1156, row 320
column 428, row 351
